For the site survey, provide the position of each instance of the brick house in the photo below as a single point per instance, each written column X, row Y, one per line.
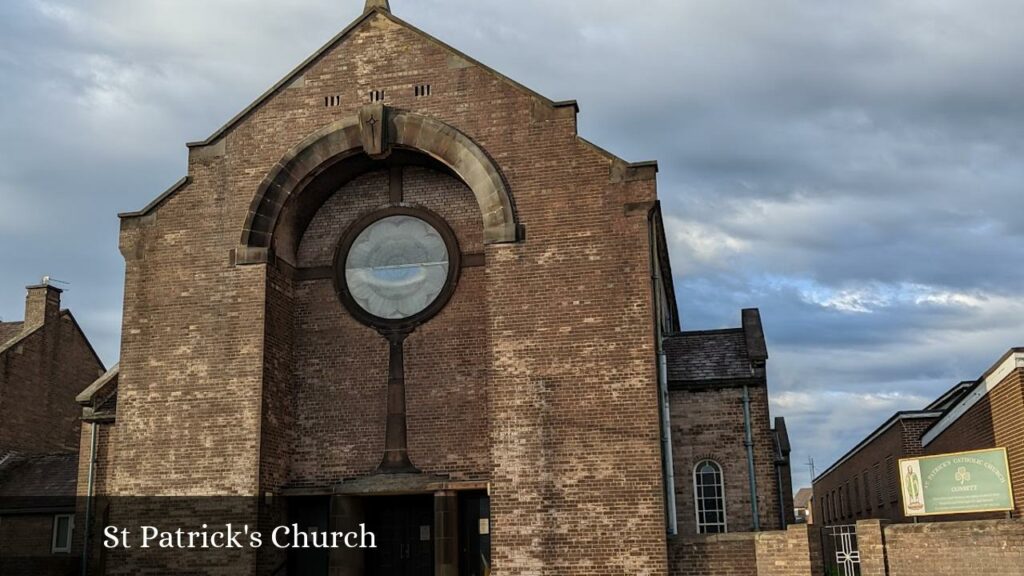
column 45, row 360
column 400, row 290
column 972, row 415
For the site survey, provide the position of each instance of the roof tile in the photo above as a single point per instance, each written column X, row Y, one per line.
column 27, row 481
column 707, row 355
column 9, row 330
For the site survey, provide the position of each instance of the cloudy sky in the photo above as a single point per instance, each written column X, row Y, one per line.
column 854, row 169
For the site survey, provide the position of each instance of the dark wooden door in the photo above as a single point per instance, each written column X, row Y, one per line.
column 474, row 534
column 404, row 528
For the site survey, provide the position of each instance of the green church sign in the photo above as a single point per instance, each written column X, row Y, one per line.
column 961, row 483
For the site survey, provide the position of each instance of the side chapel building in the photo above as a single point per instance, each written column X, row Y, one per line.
column 399, row 289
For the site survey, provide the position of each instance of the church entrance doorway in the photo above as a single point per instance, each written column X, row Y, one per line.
column 443, row 533
column 404, row 527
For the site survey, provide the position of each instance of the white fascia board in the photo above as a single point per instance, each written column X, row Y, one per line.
column 997, row 375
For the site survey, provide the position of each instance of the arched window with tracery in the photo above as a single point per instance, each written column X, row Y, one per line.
column 709, row 495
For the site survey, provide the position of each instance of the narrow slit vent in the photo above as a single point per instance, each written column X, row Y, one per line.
column 422, row 90
column 376, row 95
column 332, row 101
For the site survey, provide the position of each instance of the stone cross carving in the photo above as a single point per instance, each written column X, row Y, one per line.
column 373, row 130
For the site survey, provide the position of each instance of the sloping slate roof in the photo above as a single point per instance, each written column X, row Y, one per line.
column 39, row 481
column 9, row 330
column 802, row 498
column 707, row 355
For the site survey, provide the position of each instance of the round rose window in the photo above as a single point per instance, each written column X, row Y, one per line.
column 397, row 267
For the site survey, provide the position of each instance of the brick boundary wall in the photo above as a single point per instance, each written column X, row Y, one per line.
column 718, row 555
column 927, row 549
column 793, row 552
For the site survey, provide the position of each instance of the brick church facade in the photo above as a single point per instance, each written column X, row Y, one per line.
column 400, row 290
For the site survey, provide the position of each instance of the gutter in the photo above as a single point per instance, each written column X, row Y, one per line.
column 88, row 501
column 666, row 445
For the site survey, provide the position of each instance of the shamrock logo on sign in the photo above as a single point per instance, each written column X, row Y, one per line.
column 963, row 476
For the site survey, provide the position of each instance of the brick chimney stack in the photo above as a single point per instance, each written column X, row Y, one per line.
column 42, row 305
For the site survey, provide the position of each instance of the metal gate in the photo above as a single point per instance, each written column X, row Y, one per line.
column 842, row 557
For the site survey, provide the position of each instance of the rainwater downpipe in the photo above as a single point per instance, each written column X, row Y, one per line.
column 782, row 496
column 667, row 464
column 666, row 446
column 748, row 441
column 88, row 500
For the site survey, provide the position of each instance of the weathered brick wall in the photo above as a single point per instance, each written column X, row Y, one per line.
column 105, row 449
column 562, row 323
column 926, row 549
column 708, row 424
column 764, row 460
column 997, row 420
column 871, row 545
column 714, row 555
column 792, row 552
column 39, row 379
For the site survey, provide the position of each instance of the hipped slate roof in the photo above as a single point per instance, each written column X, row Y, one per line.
column 733, row 356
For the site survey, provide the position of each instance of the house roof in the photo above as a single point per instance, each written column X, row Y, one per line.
column 19, row 336
column 733, row 356
column 9, row 330
column 707, row 355
column 802, row 499
column 38, row 482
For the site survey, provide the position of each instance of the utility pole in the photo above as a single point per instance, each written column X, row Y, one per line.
column 810, row 466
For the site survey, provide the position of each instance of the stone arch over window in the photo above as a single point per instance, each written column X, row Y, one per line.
column 372, row 139
column 709, row 497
